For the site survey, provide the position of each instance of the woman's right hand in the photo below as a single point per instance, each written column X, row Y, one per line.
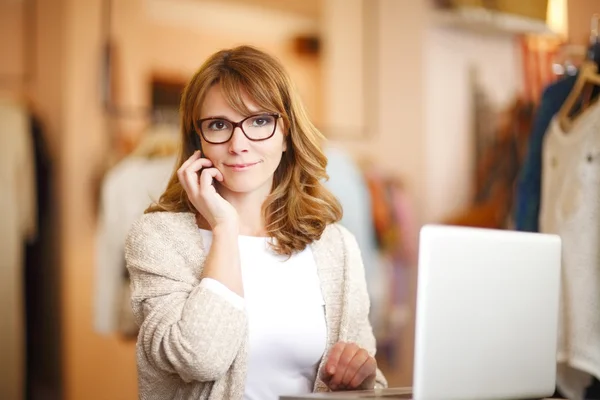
column 202, row 193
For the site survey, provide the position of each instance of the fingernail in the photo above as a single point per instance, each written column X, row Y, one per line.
column 332, row 370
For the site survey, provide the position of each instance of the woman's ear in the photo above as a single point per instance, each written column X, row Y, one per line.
column 284, row 145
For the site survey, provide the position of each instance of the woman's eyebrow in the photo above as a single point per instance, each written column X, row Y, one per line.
column 252, row 112
column 220, row 116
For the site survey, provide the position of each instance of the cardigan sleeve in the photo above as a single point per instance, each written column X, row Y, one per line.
column 357, row 294
column 186, row 328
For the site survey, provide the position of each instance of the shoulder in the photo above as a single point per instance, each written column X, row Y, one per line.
column 338, row 239
column 161, row 227
column 166, row 244
column 164, row 221
column 337, row 231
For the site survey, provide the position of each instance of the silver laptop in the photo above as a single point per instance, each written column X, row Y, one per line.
column 487, row 317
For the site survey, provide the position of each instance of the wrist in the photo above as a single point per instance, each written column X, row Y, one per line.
column 225, row 229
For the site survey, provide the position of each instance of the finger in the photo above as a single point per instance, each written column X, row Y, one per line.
column 182, row 168
column 354, row 366
column 344, row 361
column 192, row 187
column 332, row 360
column 367, row 370
column 198, row 164
column 220, row 176
column 216, row 174
column 190, row 160
column 190, row 175
column 206, row 178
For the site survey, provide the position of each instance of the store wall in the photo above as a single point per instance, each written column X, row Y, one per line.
column 11, row 14
column 451, row 58
column 579, row 17
column 172, row 39
column 394, row 114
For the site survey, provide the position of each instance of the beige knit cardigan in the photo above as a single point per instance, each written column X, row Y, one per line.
column 193, row 344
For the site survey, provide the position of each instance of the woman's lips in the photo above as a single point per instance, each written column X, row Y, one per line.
column 241, row 166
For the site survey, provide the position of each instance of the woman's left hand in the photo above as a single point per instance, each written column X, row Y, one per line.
column 348, row 366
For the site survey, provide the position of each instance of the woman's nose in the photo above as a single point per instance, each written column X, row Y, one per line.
column 238, row 142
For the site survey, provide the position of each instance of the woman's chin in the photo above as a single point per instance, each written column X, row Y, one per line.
column 239, row 184
column 235, row 186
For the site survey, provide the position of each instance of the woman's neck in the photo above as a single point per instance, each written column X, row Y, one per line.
column 250, row 215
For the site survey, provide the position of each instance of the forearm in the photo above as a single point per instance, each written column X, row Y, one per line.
column 186, row 327
column 196, row 335
column 223, row 261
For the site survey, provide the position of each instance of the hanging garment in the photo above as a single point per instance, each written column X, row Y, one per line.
column 42, row 278
column 571, row 209
column 17, row 227
column 127, row 190
column 528, row 187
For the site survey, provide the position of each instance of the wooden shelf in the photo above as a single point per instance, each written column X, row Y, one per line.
column 489, row 22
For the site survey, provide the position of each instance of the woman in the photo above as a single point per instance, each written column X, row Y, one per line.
column 243, row 283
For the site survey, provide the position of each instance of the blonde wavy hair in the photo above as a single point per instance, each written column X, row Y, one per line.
column 299, row 207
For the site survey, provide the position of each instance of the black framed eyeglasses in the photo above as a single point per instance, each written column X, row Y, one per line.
column 255, row 127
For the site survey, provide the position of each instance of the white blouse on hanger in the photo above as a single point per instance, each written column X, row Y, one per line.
column 127, row 190
column 570, row 207
column 18, row 216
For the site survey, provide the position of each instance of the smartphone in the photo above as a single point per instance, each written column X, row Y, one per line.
column 198, row 146
column 196, row 140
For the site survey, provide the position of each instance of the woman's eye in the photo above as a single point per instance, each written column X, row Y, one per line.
column 217, row 125
column 261, row 121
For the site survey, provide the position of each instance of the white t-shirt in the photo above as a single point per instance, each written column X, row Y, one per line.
column 286, row 318
column 570, row 207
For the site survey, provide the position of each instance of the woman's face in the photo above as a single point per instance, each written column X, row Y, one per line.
column 247, row 166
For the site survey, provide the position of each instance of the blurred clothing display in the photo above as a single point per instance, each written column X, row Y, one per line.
column 18, row 213
column 528, row 188
column 127, row 190
column 395, row 234
column 539, row 57
column 557, row 192
column 570, row 208
column 498, row 167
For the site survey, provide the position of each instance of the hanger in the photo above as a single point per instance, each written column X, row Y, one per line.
column 593, row 51
column 568, row 60
column 589, row 74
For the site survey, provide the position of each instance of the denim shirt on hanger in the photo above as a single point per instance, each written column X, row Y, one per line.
column 529, row 181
